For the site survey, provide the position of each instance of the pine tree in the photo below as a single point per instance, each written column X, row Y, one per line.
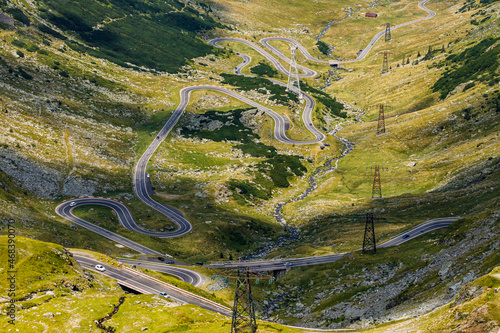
column 418, row 54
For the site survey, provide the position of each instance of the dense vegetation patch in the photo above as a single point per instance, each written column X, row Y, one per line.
column 278, row 93
column 479, row 62
column 156, row 34
column 323, row 47
column 18, row 15
column 334, row 108
column 263, row 69
column 274, row 169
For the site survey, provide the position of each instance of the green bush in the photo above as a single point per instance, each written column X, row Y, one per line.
column 469, row 65
column 263, row 69
column 279, row 93
column 18, row 14
column 18, row 43
column 24, row 74
column 322, row 47
column 335, row 108
column 50, row 31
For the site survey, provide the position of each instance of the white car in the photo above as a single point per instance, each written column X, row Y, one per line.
column 72, row 204
column 164, row 294
column 287, row 264
column 100, row 268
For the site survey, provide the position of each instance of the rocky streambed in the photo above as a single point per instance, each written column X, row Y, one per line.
column 329, row 166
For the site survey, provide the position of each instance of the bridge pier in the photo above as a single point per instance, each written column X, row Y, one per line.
column 279, row 273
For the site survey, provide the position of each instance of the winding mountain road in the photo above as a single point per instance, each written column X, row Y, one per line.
column 142, row 185
column 282, row 124
column 361, row 56
column 146, row 284
column 279, row 264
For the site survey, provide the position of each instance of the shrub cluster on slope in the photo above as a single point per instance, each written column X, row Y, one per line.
column 155, row 34
column 322, row 47
column 263, row 69
column 273, row 171
column 335, row 108
column 279, row 93
column 478, row 62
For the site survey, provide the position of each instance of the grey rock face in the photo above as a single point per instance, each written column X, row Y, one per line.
column 37, row 178
column 75, row 186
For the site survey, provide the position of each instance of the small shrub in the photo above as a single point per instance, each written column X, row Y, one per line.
column 18, row 43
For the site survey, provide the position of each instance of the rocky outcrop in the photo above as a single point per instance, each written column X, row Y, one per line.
column 35, row 177
column 392, row 291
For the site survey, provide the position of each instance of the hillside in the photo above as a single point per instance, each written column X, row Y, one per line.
column 55, row 294
column 88, row 86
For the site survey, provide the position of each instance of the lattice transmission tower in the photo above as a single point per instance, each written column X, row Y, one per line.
column 385, row 64
column 293, row 75
column 243, row 317
column 369, row 243
column 381, row 120
column 387, row 31
column 377, row 187
column 369, row 238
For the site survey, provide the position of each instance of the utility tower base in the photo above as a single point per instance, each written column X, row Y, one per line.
column 243, row 311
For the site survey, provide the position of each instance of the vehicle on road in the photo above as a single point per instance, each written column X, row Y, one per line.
column 100, row 268
column 406, row 236
column 287, row 264
column 157, row 136
column 72, row 204
column 161, row 258
column 164, row 294
column 169, row 262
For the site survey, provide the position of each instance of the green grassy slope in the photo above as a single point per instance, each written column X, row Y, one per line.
column 159, row 35
column 54, row 294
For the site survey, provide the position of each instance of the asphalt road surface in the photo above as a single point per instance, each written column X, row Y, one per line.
column 143, row 188
column 361, row 56
column 277, row 64
column 65, row 210
column 268, row 265
column 147, row 285
column 186, row 275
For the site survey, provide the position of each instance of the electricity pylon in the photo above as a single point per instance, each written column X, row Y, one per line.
column 369, row 243
column 243, row 320
column 293, row 75
column 243, row 310
column 387, row 31
column 385, row 65
column 369, row 238
column 381, row 120
column 377, row 187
